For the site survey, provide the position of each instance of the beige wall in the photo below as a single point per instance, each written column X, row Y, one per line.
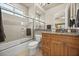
column 32, row 11
column 13, row 27
column 53, row 13
column 21, row 7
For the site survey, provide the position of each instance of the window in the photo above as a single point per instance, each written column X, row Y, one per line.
column 7, row 12
column 6, row 7
column 18, row 15
column 9, row 9
column 18, row 11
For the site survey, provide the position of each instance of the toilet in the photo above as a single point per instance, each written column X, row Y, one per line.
column 32, row 46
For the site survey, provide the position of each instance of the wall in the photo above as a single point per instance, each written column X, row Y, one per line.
column 32, row 13
column 14, row 27
column 21, row 7
column 54, row 12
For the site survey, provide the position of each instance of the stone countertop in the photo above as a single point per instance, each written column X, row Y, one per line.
column 62, row 33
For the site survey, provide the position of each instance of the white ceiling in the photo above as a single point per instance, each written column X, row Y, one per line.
column 28, row 4
column 45, row 7
column 51, row 5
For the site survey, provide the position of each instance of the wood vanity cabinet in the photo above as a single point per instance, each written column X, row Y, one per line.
column 57, row 48
column 72, row 50
column 45, row 45
column 59, row 45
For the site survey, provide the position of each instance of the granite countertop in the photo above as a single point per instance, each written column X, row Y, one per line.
column 63, row 33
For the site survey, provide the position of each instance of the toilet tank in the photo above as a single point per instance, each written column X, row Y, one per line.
column 38, row 37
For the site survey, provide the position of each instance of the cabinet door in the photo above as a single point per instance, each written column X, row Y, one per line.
column 57, row 48
column 72, row 50
column 65, row 50
column 46, row 51
column 46, row 42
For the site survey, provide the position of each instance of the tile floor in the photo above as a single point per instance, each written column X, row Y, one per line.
column 38, row 52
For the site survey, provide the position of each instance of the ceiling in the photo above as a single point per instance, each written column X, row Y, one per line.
column 50, row 5
column 28, row 4
column 45, row 7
